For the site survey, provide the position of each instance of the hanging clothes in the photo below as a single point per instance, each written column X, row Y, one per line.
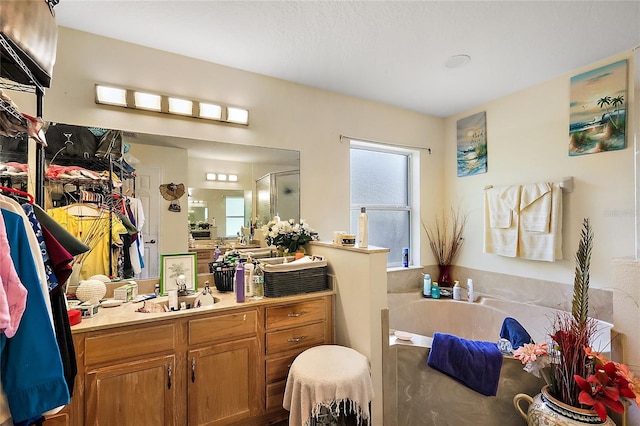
column 30, row 364
column 93, row 230
column 137, row 211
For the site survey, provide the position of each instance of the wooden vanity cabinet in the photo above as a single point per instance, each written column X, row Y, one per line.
column 222, row 380
column 225, row 367
column 130, row 376
column 290, row 329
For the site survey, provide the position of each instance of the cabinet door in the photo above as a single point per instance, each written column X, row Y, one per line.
column 133, row 393
column 223, row 383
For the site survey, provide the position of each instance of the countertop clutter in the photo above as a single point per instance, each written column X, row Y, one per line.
column 127, row 313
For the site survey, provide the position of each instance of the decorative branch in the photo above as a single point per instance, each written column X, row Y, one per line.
column 445, row 236
column 580, row 305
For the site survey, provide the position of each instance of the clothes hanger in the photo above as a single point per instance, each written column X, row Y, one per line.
column 30, row 198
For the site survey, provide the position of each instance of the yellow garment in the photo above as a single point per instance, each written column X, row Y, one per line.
column 93, row 231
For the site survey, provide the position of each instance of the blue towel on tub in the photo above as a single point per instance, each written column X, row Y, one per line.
column 513, row 331
column 475, row 364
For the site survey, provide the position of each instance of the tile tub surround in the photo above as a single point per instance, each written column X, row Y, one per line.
column 481, row 320
column 509, row 287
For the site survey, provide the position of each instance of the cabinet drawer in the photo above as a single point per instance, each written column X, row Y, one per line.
column 129, row 344
column 223, row 327
column 275, row 395
column 295, row 314
column 278, row 368
column 295, row 339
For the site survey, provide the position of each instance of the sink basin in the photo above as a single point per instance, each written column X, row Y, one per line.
column 189, row 301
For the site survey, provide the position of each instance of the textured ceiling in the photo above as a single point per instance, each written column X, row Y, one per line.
column 386, row 51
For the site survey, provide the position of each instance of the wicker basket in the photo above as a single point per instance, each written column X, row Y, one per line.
column 278, row 284
column 223, row 275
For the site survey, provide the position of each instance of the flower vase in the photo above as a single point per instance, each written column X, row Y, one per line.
column 546, row 410
column 445, row 276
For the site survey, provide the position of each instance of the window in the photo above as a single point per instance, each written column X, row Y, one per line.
column 234, row 215
column 382, row 181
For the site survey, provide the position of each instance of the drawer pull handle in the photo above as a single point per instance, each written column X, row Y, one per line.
column 193, row 370
column 296, row 314
column 296, row 339
column 169, row 377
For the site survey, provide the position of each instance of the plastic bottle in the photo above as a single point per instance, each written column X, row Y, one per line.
column 426, row 287
column 258, row 279
column 470, row 290
column 457, row 290
column 216, row 254
column 435, row 291
column 405, row 257
column 248, row 279
column 363, row 228
column 239, row 283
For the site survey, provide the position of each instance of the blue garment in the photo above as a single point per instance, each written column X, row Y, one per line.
column 513, row 331
column 475, row 364
column 52, row 281
column 32, row 373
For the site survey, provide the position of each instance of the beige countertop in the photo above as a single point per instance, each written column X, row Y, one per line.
column 126, row 314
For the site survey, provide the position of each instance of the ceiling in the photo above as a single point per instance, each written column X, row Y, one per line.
column 392, row 52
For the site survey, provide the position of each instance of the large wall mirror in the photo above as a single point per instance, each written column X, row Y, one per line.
column 223, row 183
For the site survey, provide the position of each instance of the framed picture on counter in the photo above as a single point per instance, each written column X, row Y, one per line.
column 178, row 270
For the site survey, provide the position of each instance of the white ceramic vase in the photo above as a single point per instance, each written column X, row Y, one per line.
column 545, row 410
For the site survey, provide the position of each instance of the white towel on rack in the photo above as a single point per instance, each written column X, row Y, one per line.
column 545, row 246
column 501, row 208
column 535, row 207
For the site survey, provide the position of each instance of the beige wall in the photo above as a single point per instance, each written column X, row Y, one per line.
column 527, row 134
column 282, row 115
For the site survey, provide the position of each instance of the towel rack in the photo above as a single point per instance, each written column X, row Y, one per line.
column 566, row 184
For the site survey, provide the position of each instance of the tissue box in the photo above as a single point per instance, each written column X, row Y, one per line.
column 88, row 311
column 126, row 292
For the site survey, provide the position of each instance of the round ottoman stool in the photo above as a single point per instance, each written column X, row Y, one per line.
column 328, row 381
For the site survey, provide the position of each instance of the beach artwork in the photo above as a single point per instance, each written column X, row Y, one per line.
column 598, row 110
column 472, row 144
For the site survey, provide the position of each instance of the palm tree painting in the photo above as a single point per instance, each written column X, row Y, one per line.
column 472, row 144
column 598, row 110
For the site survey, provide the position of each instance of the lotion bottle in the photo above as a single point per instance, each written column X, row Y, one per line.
column 435, row 291
column 457, row 290
column 239, row 283
column 363, row 228
column 426, row 287
column 470, row 290
column 249, row 284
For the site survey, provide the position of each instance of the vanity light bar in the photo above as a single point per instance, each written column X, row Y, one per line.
column 130, row 98
column 221, row 177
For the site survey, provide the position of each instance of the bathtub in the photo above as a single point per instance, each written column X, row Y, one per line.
column 420, row 395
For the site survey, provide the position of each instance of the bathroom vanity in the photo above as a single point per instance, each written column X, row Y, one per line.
column 216, row 365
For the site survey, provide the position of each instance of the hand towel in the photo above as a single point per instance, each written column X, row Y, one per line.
column 535, row 207
column 545, row 246
column 501, row 220
column 475, row 364
column 513, row 331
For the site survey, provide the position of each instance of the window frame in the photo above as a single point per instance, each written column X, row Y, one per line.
column 413, row 196
column 227, row 216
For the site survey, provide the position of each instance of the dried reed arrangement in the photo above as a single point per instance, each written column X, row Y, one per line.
column 445, row 235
